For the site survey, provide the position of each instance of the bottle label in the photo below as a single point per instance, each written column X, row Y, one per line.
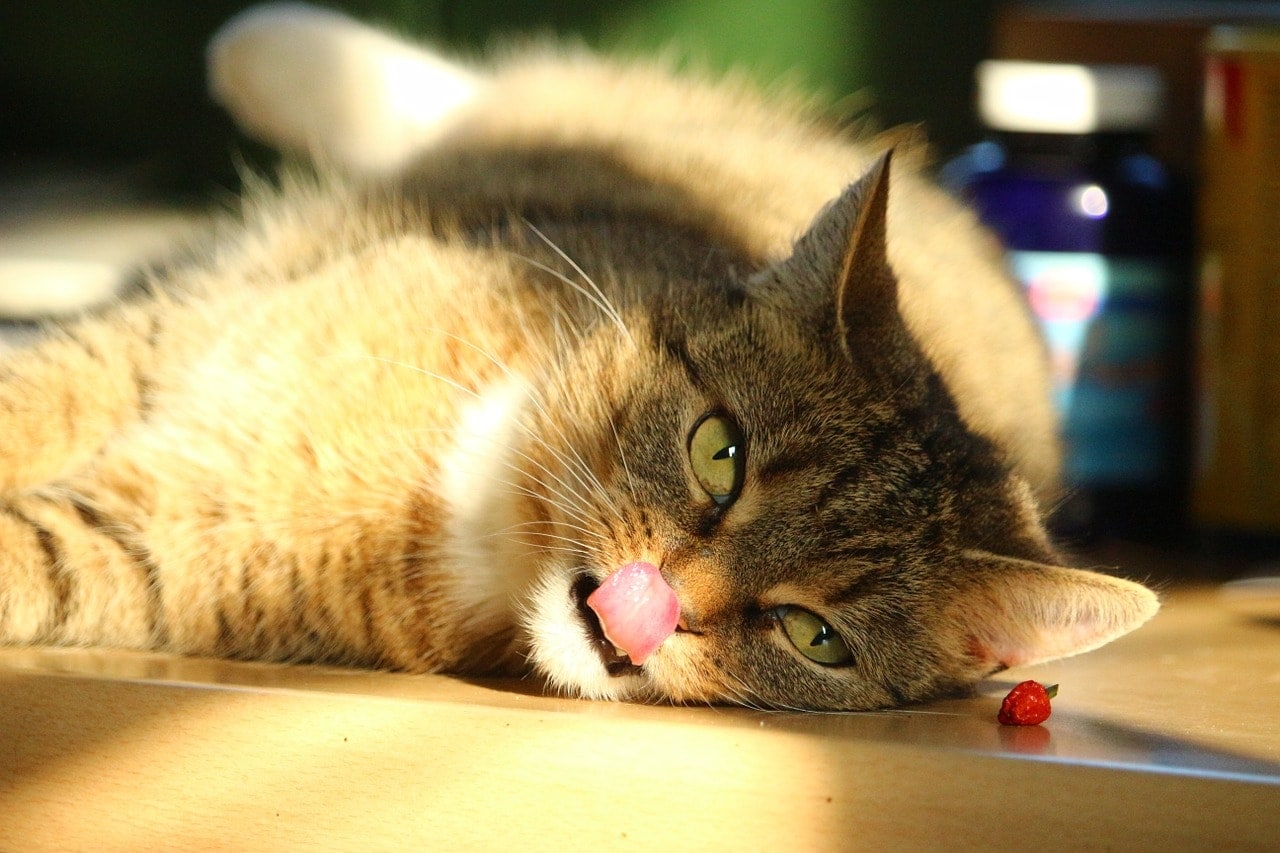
column 1107, row 321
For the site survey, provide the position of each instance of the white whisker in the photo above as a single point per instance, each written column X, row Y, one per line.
column 622, row 456
column 452, row 383
column 517, row 529
column 597, row 296
column 576, row 465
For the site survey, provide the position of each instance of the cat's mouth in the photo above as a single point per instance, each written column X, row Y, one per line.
column 615, row 661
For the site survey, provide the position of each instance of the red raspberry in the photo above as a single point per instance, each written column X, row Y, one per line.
column 1027, row 704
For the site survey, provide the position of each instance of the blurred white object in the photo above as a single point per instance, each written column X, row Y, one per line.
column 64, row 259
column 308, row 79
column 37, row 287
column 1043, row 97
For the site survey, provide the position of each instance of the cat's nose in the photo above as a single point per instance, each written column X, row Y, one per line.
column 637, row 609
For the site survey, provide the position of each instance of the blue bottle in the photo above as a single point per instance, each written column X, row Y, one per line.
column 1099, row 234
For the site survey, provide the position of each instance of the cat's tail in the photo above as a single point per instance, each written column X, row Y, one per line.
column 312, row 80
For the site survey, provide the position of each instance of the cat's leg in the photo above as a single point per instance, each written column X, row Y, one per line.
column 139, row 551
column 62, row 397
column 302, row 78
column 71, row 575
column 61, row 401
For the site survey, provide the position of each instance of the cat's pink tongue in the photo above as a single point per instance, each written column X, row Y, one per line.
column 638, row 610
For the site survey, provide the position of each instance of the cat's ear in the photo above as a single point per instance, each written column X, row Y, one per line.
column 1011, row 612
column 866, row 297
column 839, row 269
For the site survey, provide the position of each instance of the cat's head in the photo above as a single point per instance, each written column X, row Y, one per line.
column 779, row 454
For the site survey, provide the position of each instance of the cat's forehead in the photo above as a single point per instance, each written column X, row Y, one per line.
column 816, row 418
column 720, row 335
column 799, row 398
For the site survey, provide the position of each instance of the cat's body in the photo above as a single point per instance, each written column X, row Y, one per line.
column 415, row 422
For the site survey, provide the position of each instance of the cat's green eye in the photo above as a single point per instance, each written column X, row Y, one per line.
column 813, row 638
column 717, row 452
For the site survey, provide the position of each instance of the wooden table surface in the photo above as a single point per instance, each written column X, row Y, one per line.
column 1168, row 739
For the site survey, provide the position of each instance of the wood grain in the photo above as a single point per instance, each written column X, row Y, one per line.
column 1166, row 739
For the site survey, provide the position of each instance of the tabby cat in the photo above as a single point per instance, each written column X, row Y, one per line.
column 577, row 368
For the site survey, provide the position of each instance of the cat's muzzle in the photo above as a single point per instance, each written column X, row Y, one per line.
column 615, row 661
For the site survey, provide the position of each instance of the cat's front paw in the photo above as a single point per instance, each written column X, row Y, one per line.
column 308, row 79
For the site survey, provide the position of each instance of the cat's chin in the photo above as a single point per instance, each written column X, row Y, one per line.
column 565, row 648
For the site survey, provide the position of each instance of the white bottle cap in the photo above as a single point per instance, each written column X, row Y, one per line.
column 1039, row 97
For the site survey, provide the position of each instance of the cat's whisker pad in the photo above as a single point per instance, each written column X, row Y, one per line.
column 616, row 661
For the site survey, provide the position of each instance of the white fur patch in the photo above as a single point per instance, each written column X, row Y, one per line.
column 309, row 79
column 562, row 647
column 490, row 567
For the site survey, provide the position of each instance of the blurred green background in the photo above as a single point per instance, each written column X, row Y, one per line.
column 118, row 85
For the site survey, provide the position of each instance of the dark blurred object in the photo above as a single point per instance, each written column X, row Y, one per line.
column 112, row 87
column 1098, row 234
column 1237, row 475
column 1169, row 37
